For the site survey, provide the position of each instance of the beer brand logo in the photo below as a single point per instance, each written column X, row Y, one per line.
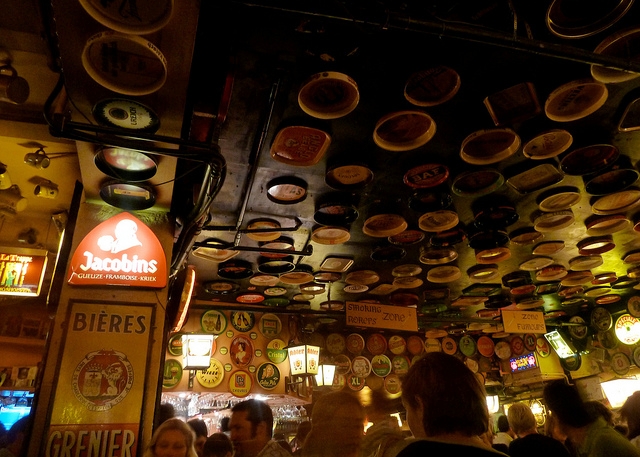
column 119, row 251
column 102, row 379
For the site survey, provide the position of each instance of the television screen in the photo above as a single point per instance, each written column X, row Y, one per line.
column 523, row 362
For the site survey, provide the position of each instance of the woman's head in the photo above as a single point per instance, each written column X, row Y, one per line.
column 173, row 438
column 443, row 396
column 630, row 413
column 337, row 426
column 521, row 418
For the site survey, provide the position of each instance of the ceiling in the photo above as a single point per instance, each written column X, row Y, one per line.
column 269, row 49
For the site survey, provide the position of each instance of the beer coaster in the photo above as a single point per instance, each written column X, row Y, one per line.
column 329, row 95
column 595, row 245
column 415, row 345
column 263, row 224
column 548, row 248
column 219, row 287
column 362, row 277
column 553, row 272
column 577, row 278
column 376, row 344
column 406, row 270
column 348, row 177
column 404, row 130
column 355, row 343
column 214, row 254
column 575, row 100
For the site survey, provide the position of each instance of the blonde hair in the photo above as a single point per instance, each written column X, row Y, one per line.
column 521, row 418
column 337, row 426
column 173, row 424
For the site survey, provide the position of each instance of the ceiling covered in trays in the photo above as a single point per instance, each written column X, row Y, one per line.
column 456, row 157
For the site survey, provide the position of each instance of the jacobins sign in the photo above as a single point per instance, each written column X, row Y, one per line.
column 121, row 251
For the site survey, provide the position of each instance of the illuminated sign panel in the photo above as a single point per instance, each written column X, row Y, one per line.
column 523, row 362
column 627, row 329
column 22, row 271
column 121, row 251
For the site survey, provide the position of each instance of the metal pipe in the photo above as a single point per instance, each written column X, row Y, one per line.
column 403, row 22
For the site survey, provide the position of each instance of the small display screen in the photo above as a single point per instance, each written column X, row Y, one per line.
column 559, row 344
column 523, row 362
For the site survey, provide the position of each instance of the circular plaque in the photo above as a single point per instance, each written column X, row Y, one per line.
column 212, row 376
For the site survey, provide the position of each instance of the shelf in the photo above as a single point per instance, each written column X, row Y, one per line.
column 25, row 342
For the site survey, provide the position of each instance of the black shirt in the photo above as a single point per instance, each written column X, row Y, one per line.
column 536, row 445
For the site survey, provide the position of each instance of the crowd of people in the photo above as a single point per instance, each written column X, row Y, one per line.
column 446, row 414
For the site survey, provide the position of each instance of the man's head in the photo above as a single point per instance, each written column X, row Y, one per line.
column 199, row 427
column 251, row 426
column 567, row 406
column 442, row 396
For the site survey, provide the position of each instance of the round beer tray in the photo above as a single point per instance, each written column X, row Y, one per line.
column 575, row 100
column 329, row 95
column 134, row 66
column 432, row 86
column 485, row 147
column 404, row 130
column 143, row 17
column 589, row 159
column 536, row 263
column 547, row 144
column 330, row 235
column 559, row 199
column 572, row 19
column 553, row 221
column 443, row 274
column 438, row 221
column 475, row 183
column 126, row 114
column 607, row 225
column 548, row 248
column 384, row 225
column 618, row 202
column 623, row 45
column 612, row 181
column 585, row 262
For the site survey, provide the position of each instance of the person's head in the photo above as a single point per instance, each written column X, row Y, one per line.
column 165, row 411
column 301, row 434
column 173, row 438
column 199, row 427
column 17, row 434
column 630, row 413
column 442, row 396
column 503, row 424
column 218, row 445
column 337, row 426
column 251, row 426
column 521, row 419
column 224, row 424
column 565, row 404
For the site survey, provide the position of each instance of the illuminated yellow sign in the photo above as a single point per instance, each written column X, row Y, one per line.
column 381, row 316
